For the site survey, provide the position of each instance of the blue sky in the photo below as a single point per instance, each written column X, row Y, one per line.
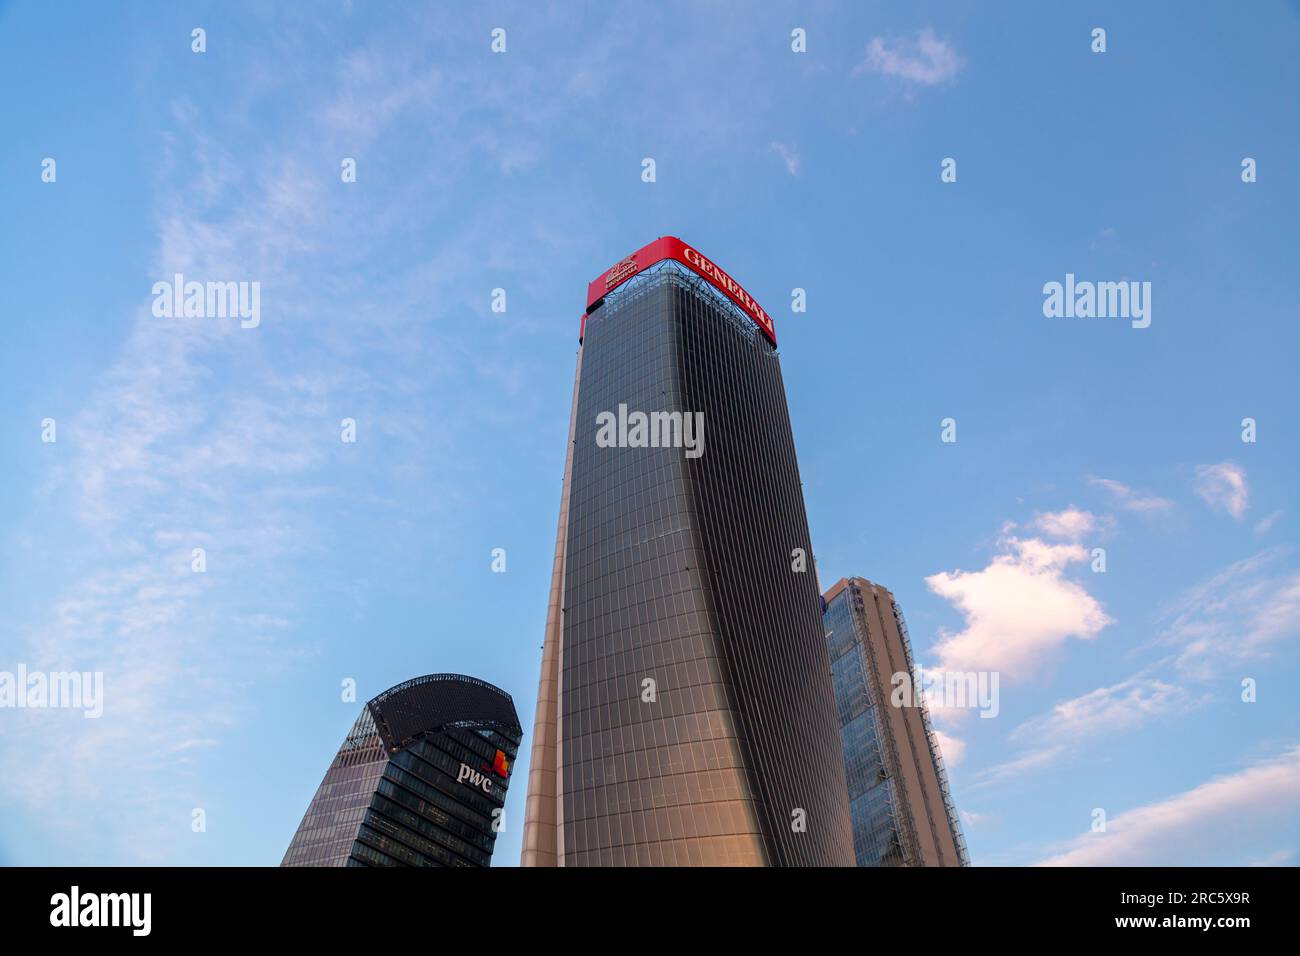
column 326, row 561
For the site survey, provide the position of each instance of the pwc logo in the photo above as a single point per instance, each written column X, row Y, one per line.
column 500, row 765
column 479, row 778
column 473, row 778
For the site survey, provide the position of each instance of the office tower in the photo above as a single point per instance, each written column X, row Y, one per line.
column 420, row 780
column 902, row 812
column 685, row 712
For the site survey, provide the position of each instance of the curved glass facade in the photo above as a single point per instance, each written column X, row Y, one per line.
column 694, row 719
column 421, row 780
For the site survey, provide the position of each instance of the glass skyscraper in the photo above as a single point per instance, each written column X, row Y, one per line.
column 902, row 812
column 685, row 711
column 420, row 780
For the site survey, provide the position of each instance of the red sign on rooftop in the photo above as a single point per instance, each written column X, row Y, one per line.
column 670, row 247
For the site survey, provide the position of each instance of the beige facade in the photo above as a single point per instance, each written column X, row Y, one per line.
column 928, row 829
column 541, row 811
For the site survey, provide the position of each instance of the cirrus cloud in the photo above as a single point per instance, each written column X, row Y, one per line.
column 927, row 61
column 1072, row 724
column 1240, row 614
column 1230, row 815
column 1130, row 500
column 1223, row 487
column 789, row 156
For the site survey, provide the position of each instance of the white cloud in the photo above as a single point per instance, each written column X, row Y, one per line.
column 1265, row 525
column 974, row 820
column 1216, row 822
column 1106, row 710
column 1016, row 766
column 1286, row 857
column 1019, row 610
column 1070, row 524
column 1223, row 486
column 1130, row 500
column 789, row 155
column 202, row 434
column 952, row 748
column 1103, row 238
column 1073, row 723
column 927, row 61
column 1235, row 616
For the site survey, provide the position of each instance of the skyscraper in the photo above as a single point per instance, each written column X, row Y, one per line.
column 420, row 779
column 685, row 712
column 902, row 812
